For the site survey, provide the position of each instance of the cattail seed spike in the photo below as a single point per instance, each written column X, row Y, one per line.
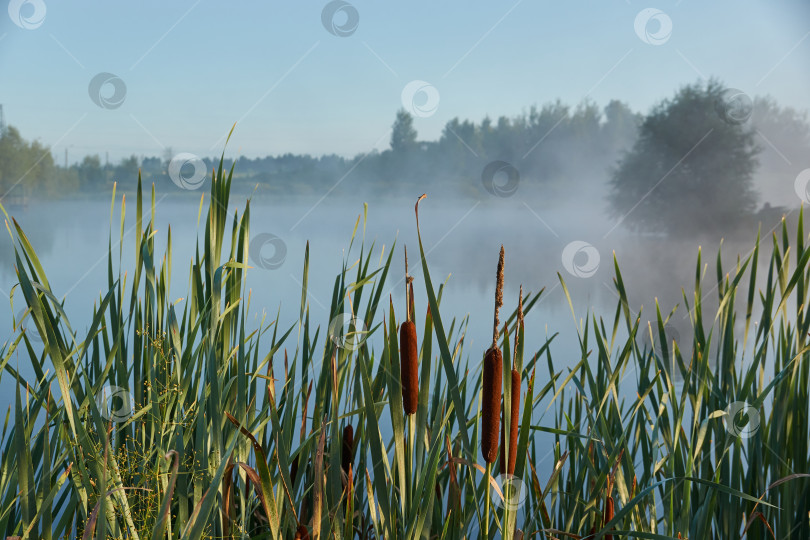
column 408, row 350
column 347, row 448
column 519, row 325
column 492, row 381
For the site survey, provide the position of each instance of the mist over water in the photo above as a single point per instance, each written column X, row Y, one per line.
column 569, row 233
column 604, row 184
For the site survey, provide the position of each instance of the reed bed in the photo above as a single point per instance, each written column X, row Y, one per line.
column 218, row 443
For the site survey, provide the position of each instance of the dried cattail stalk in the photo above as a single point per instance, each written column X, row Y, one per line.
column 492, row 381
column 411, row 307
column 609, row 512
column 498, row 300
column 408, row 280
column 347, row 448
column 509, row 466
column 302, row 533
column 519, row 323
column 513, row 427
column 304, row 412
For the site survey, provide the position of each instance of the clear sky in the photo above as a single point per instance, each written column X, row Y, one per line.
column 191, row 68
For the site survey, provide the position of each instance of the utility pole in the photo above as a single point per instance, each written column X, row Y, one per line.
column 66, row 157
column 2, row 122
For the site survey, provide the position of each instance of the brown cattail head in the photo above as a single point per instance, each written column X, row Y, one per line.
column 491, row 403
column 409, row 368
column 492, row 380
column 302, row 533
column 347, row 448
column 513, row 427
column 609, row 512
column 294, row 470
column 303, row 515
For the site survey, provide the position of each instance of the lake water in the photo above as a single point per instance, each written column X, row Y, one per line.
column 462, row 239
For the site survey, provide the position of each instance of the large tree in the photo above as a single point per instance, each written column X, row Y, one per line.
column 25, row 167
column 403, row 134
column 691, row 168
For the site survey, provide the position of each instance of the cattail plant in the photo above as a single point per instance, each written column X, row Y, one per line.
column 302, row 533
column 508, row 466
column 408, row 352
column 609, row 513
column 492, row 380
column 347, row 448
column 294, row 470
column 609, row 503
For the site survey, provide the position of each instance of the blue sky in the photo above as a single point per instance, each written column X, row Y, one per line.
column 193, row 68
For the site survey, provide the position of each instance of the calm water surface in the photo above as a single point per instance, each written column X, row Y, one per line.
column 462, row 239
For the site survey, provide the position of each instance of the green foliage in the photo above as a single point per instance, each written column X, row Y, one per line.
column 215, row 429
column 403, row 134
column 540, row 143
column 25, row 167
column 690, row 170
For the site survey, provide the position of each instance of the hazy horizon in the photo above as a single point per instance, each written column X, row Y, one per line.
column 186, row 72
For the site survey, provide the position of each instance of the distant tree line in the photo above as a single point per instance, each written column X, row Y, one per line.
column 688, row 164
column 544, row 144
